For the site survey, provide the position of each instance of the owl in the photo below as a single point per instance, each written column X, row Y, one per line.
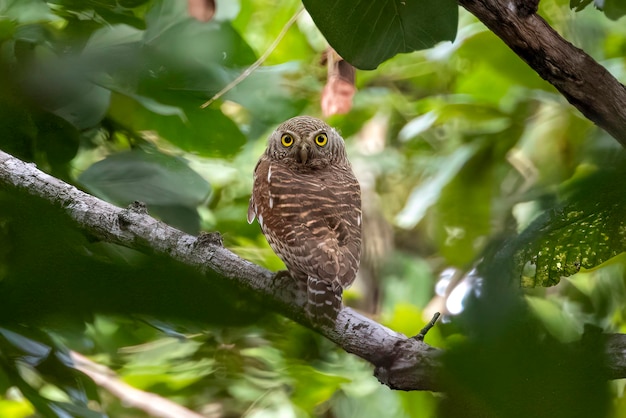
column 308, row 204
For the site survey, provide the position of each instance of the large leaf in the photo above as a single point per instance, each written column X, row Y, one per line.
column 25, row 11
column 149, row 177
column 368, row 33
column 166, row 184
column 207, row 132
column 613, row 9
column 178, row 39
column 588, row 229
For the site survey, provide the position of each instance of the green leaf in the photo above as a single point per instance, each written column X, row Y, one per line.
column 147, row 102
column 285, row 100
column 180, row 40
column 557, row 319
column 578, row 5
column 107, row 12
column 313, row 387
column 427, row 194
column 614, row 9
column 36, row 364
column 493, row 64
column 368, row 33
column 25, row 11
column 478, row 372
column 166, row 184
column 207, row 132
column 30, row 351
column 16, row 408
column 463, row 211
column 149, row 177
column 112, row 39
column 588, row 229
column 87, row 110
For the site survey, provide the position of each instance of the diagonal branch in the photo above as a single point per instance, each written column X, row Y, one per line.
column 585, row 83
column 399, row 362
column 152, row 404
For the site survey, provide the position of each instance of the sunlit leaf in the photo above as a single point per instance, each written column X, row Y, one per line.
column 16, row 408
column 491, row 57
column 588, row 229
column 313, row 387
column 555, row 317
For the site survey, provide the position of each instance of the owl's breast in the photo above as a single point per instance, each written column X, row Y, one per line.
column 311, row 219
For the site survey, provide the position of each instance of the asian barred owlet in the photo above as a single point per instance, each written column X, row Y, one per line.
column 308, row 203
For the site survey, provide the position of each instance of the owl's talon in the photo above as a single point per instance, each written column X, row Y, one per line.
column 210, row 238
column 282, row 276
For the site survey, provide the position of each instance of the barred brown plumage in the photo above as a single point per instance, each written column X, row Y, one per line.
column 308, row 203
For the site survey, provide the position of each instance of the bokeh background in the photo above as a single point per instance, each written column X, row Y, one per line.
column 459, row 149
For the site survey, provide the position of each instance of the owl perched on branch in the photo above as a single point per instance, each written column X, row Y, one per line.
column 308, row 203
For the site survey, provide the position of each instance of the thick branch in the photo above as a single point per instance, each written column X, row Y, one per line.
column 400, row 362
column 585, row 84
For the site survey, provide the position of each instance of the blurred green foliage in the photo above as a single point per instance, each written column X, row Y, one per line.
column 465, row 154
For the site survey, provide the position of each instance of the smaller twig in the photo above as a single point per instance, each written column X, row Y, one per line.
column 427, row 327
column 151, row 403
column 257, row 63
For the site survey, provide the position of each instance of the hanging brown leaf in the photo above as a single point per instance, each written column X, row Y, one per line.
column 340, row 88
column 202, row 10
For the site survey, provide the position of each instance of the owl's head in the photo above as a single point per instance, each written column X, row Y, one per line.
column 305, row 141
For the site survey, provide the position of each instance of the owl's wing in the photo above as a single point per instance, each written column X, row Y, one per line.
column 333, row 245
column 312, row 221
column 252, row 206
column 335, row 230
column 319, row 216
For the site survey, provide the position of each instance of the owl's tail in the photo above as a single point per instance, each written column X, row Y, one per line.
column 323, row 301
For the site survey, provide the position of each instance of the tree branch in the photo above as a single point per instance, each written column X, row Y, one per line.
column 586, row 84
column 152, row 404
column 399, row 362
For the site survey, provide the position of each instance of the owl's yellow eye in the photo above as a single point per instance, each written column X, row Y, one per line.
column 321, row 139
column 286, row 140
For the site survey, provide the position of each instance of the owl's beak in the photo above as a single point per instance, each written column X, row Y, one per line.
column 303, row 154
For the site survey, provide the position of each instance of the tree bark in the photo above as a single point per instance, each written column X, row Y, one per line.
column 400, row 362
column 586, row 84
